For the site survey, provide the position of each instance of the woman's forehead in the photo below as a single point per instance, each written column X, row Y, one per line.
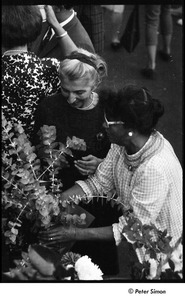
column 82, row 83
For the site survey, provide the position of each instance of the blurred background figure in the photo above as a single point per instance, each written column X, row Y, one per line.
column 176, row 11
column 91, row 17
column 46, row 45
column 155, row 16
column 116, row 22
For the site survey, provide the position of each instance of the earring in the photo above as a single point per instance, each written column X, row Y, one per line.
column 130, row 133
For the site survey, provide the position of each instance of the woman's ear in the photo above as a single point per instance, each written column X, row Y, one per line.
column 96, row 85
column 93, row 88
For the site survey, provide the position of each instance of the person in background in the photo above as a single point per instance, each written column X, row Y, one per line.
column 91, row 17
column 157, row 15
column 78, row 111
column 68, row 20
column 116, row 22
column 141, row 168
column 176, row 11
column 26, row 79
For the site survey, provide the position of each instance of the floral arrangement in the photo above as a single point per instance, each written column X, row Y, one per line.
column 43, row 264
column 159, row 261
column 31, row 189
column 32, row 193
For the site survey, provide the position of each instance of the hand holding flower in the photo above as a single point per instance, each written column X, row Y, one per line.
column 88, row 164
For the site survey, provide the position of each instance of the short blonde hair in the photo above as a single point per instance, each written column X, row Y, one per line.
column 93, row 67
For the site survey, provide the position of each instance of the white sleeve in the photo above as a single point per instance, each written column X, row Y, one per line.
column 149, row 194
column 102, row 182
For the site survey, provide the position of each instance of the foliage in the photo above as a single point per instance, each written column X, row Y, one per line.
column 31, row 190
column 160, row 261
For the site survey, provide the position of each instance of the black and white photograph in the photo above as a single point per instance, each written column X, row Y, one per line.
column 92, row 147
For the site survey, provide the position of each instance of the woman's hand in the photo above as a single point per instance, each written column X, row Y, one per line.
column 65, row 42
column 50, row 16
column 88, row 164
column 56, row 235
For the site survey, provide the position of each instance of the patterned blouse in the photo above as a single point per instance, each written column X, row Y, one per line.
column 26, row 79
column 150, row 181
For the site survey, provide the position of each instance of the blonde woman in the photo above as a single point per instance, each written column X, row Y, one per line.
column 78, row 111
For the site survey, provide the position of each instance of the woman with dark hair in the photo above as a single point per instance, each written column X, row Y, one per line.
column 140, row 167
column 14, row 35
column 26, row 79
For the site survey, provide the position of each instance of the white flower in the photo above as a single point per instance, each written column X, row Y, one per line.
column 86, row 270
column 153, row 268
column 176, row 257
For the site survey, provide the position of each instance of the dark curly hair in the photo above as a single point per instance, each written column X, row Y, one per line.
column 134, row 106
column 21, row 24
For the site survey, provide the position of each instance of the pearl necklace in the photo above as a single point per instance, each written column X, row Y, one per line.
column 86, row 107
column 14, row 50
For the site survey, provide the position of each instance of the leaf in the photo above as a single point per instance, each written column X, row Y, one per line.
column 14, row 231
column 31, row 157
column 29, row 187
column 7, row 185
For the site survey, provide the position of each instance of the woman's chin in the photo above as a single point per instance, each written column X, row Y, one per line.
column 110, row 139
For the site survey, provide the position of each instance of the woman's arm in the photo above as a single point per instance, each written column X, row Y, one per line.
column 74, row 191
column 97, row 234
column 65, row 234
column 64, row 40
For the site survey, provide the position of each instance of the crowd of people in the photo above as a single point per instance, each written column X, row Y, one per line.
column 52, row 71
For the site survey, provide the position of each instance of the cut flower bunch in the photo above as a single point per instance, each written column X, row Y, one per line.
column 43, row 264
column 31, row 190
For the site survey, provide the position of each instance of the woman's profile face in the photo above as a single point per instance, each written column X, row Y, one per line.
column 77, row 92
column 116, row 133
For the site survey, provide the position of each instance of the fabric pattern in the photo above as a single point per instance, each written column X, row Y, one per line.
column 150, row 181
column 91, row 17
column 26, row 79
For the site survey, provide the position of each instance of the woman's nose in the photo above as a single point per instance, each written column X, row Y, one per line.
column 105, row 125
column 71, row 99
